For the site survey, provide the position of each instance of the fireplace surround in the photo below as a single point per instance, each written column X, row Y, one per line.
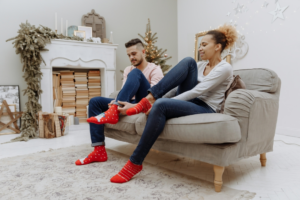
column 68, row 54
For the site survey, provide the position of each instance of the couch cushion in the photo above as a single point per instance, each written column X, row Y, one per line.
column 126, row 123
column 260, row 79
column 201, row 128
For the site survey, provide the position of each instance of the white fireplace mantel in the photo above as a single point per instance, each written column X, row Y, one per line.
column 77, row 55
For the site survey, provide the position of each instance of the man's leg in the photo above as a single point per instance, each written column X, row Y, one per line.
column 97, row 105
column 184, row 75
column 136, row 85
column 162, row 110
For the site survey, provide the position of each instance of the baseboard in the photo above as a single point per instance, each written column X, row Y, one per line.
column 288, row 131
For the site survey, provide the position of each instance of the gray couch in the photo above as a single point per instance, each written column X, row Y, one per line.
column 246, row 128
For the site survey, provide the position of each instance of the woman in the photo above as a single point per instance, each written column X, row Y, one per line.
column 190, row 89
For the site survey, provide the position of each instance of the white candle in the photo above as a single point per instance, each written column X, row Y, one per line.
column 61, row 26
column 66, row 27
column 56, row 21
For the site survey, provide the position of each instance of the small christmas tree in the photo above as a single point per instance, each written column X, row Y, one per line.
column 153, row 54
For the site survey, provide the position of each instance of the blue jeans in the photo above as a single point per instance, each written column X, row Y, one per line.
column 184, row 75
column 136, row 85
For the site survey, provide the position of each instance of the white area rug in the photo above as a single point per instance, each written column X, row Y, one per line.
column 53, row 175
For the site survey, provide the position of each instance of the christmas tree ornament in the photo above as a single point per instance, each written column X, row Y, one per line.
column 166, row 55
column 278, row 12
column 153, row 54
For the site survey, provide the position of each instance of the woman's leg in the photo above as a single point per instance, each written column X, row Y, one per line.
column 97, row 105
column 135, row 85
column 162, row 110
column 184, row 75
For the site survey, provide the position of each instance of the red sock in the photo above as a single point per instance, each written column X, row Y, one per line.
column 127, row 172
column 143, row 106
column 98, row 155
column 111, row 116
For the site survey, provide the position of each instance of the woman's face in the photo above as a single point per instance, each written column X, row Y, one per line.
column 208, row 47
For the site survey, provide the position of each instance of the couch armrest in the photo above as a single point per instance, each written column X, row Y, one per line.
column 256, row 112
column 114, row 94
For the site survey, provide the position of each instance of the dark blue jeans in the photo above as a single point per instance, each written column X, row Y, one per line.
column 136, row 85
column 184, row 75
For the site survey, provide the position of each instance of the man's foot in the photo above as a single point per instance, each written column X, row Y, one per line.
column 98, row 155
column 126, row 173
column 111, row 116
column 143, row 106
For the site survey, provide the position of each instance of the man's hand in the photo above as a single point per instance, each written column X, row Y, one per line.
column 110, row 104
column 125, row 108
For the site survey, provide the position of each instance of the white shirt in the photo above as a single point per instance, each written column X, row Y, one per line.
column 210, row 88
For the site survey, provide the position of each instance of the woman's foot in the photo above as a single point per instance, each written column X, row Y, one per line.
column 111, row 116
column 126, row 173
column 98, row 155
column 143, row 106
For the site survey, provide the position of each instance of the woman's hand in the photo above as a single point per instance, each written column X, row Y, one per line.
column 125, row 107
column 110, row 104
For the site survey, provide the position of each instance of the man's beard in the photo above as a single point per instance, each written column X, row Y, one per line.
column 137, row 64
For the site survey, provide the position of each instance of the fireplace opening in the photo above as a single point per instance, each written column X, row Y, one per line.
column 73, row 88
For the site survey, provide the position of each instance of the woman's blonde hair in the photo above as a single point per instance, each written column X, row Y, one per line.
column 225, row 35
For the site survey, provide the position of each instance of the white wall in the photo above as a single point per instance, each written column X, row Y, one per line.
column 126, row 18
column 271, row 45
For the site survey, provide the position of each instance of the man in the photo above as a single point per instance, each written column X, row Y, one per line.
column 137, row 79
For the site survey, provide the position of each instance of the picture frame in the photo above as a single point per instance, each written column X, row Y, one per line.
column 88, row 31
column 198, row 38
column 71, row 30
column 11, row 93
column 80, row 34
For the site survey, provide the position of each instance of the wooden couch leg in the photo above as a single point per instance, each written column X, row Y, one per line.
column 263, row 159
column 218, row 177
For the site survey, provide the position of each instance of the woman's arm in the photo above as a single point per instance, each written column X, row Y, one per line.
column 213, row 79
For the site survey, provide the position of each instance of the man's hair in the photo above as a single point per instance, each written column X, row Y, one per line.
column 136, row 42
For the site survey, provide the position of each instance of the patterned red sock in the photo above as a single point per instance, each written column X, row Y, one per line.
column 98, row 155
column 111, row 116
column 143, row 106
column 127, row 172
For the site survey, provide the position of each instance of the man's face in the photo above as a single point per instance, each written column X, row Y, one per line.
column 136, row 55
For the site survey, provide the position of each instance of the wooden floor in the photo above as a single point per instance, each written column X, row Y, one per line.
column 279, row 180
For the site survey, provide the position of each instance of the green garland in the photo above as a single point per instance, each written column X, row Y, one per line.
column 30, row 42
